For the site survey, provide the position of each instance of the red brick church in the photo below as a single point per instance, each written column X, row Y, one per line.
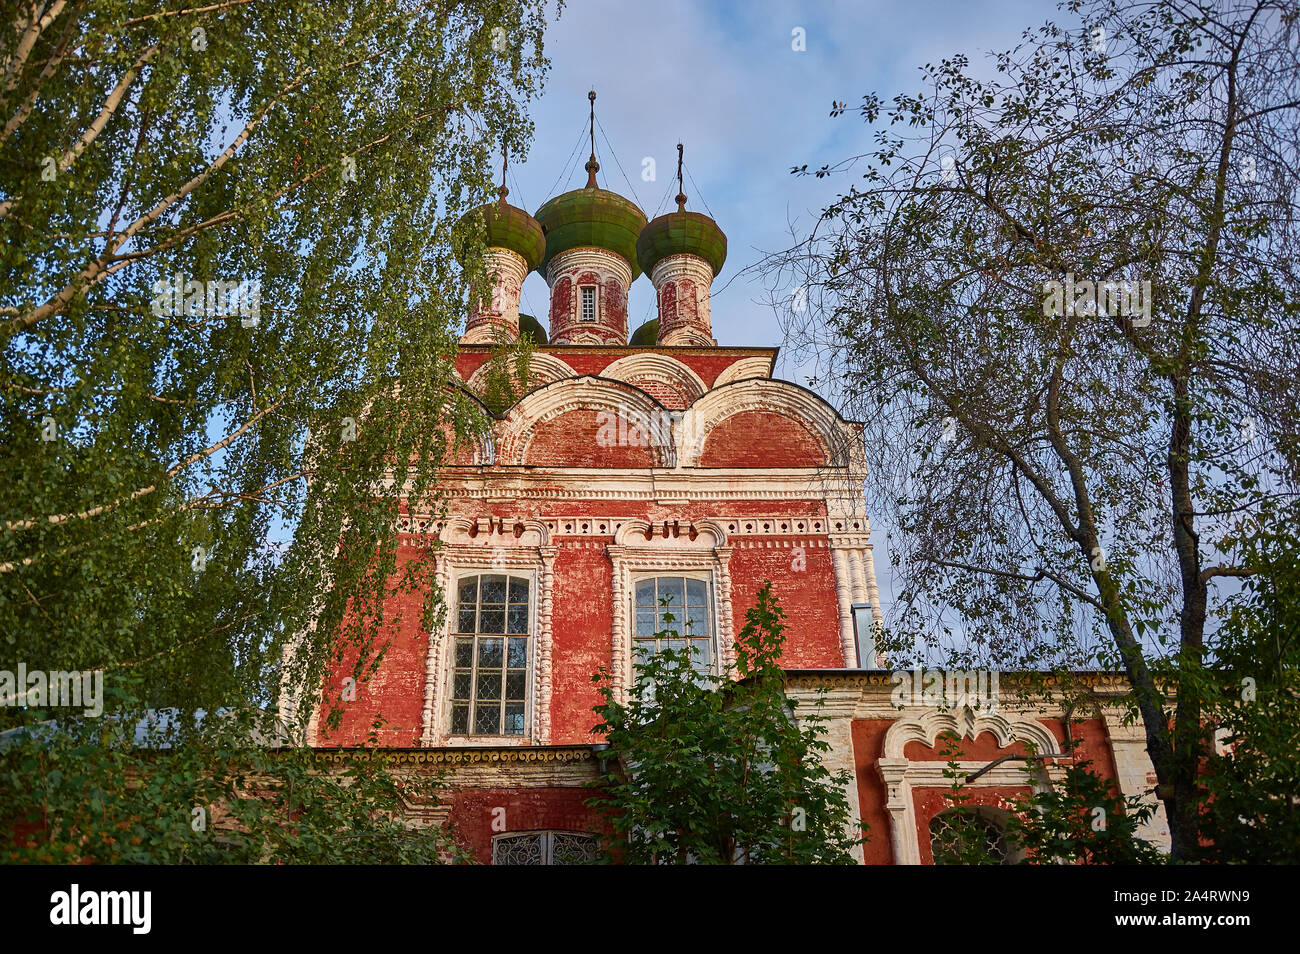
column 651, row 465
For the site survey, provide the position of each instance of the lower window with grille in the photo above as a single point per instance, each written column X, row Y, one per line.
column 490, row 655
column 544, row 848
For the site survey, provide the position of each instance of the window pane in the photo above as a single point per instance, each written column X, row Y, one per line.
column 460, row 720
column 465, row 621
column 494, row 589
column 671, row 587
column 696, row 593
column 489, row 687
column 491, row 620
column 487, row 718
column 460, row 684
column 489, row 653
column 645, row 625
column 518, row 656
column 518, row 590
column 518, row 850
column 514, row 719
column 669, row 621
column 516, row 685
column 469, row 590
column 518, row 619
column 464, row 653
column 645, row 593
column 697, row 619
column 701, row 658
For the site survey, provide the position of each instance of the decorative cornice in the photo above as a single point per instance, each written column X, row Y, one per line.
column 514, row 755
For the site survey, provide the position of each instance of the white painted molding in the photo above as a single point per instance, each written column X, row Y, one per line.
column 543, row 369
column 584, row 393
column 745, row 368
column 660, row 368
column 764, row 394
column 901, row 775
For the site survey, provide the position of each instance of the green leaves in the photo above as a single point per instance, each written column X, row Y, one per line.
column 707, row 770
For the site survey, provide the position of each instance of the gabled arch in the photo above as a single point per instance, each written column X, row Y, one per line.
column 838, row 440
column 543, row 369
column 586, row 393
column 662, row 369
column 926, row 727
column 743, row 370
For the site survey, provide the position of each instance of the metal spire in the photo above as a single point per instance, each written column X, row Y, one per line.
column 503, row 191
column 592, row 166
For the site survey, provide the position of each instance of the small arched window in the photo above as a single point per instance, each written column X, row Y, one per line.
column 489, row 679
column 969, row 835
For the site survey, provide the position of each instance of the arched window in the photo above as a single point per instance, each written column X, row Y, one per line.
column 489, row 679
column 969, row 835
column 544, row 848
column 687, row 601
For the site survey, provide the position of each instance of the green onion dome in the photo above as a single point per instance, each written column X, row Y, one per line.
column 647, row 336
column 528, row 325
column 511, row 228
column 681, row 233
column 591, row 216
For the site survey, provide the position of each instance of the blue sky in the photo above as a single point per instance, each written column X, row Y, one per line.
column 723, row 79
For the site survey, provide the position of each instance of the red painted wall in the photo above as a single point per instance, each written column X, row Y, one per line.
column 761, row 439
column 474, row 819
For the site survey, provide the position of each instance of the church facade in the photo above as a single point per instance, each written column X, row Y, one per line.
column 651, row 465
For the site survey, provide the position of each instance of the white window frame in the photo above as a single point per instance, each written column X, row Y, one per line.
column 449, row 666
column 582, row 303
column 707, row 577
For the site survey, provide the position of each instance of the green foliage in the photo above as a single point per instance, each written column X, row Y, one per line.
column 506, row 377
column 188, row 493
column 1082, row 822
column 1249, row 812
column 200, row 791
column 193, row 497
column 707, row 770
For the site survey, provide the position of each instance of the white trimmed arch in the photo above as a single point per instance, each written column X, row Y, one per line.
column 766, row 394
column 968, row 724
column 660, row 368
column 543, row 369
column 592, row 394
column 744, row 369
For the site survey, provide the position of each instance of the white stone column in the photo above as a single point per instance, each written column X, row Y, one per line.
column 844, row 603
column 545, row 603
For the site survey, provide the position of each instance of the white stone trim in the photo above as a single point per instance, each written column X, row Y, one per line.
column 660, row 368
column 640, row 546
column 745, row 368
column 495, row 549
column 584, row 393
column 1134, row 770
column 901, row 775
column 543, row 369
